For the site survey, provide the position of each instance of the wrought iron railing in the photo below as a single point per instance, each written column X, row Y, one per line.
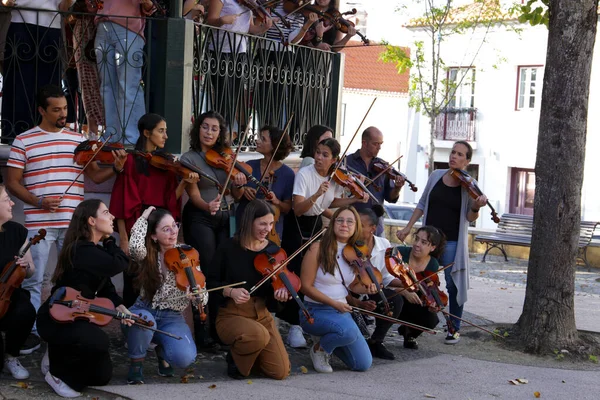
column 112, row 85
column 456, row 124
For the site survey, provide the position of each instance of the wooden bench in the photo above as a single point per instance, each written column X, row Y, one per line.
column 516, row 229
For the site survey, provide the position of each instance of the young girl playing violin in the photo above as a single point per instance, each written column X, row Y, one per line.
column 326, row 279
column 428, row 244
column 160, row 301
column 78, row 351
column 207, row 215
column 140, row 185
column 244, row 322
column 313, row 195
column 20, row 316
column 280, row 182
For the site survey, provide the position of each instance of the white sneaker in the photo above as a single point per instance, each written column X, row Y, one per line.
column 61, row 388
column 12, row 365
column 295, row 337
column 45, row 367
column 320, row 360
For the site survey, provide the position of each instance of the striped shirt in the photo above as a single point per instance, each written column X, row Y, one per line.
column 296, row 21
column 47, row 161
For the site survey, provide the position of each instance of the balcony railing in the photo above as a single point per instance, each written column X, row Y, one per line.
column 249, row 80
column 456, row 124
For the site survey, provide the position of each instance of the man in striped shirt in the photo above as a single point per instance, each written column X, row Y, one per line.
column 40, row 169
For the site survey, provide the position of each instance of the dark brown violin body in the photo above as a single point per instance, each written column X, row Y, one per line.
column 267, row 262
column 13, row 274
column 393, row 174
column 469, row 184
column 184, row 261
column 357, row 256
column 348, row 181
column 88, row 149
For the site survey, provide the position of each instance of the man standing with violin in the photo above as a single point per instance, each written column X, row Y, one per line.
column 40, row 170
column 363, row 161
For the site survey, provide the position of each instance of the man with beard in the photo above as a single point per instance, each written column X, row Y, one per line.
column 40, row 169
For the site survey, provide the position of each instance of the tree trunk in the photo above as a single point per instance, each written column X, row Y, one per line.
column 432, row 119
column 548, row 318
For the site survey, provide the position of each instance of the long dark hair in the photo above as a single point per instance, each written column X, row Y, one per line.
column 147, row 123
column 148, row 276
column 222, row 141
column 309, row 145
column 79, row 229
column 255, row 209
column 435, row 237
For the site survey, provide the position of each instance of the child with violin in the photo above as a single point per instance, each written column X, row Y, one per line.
column 446, row 205
column 17, row 314
column 244, row 321
column 313, row 195
column 141, row 184
column 153, row 246
column 77, row 354
column 279, row 179
column 313, row 137
column 208, row 215
column 327, row 278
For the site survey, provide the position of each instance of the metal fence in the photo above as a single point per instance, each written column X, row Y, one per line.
column 456, row 124
column 109, row 71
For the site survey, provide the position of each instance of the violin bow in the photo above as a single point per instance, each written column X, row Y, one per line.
column 276, row 148
column 472, row 324
column 86, row 164
column 419, row 281
column 366, row 178
column 237, row 152
column 155, row 330
column 395, row 320
column 390, row 166
column 286, row 261
column 207, row 290
column 339, row 163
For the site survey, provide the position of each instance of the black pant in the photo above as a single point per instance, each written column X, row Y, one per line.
column 417, row 315
column 382, row 326
column 205, row 233
column 16, row 323
column 78, row 351
column 293, row 238
column 130, row 293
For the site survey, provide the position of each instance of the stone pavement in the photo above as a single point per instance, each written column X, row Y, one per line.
column 433, row 371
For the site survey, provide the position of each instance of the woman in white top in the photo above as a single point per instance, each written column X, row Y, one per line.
column 326, row 278
column 312, row 196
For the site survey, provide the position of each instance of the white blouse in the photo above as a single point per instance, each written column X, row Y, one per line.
column 332, row 285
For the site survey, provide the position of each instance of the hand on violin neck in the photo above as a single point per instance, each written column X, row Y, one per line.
column 249, row 193
column 239, row 179
column 122, row 309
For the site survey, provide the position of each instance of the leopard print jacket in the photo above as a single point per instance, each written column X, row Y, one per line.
column 165, row 296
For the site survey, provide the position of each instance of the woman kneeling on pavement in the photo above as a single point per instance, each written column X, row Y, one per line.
column 326, row 279
column 160, row 300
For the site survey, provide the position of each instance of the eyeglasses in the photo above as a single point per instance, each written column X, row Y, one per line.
column 341, row 221
column 171, row 229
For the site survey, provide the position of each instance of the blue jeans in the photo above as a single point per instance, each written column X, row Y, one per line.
column 446, row 258
column 339, row 335
column 40, row 253
column 178, row 353
column 120, row 58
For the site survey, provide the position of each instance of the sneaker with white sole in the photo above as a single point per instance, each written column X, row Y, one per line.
column 320, row 360
column 12, row 365
column 452, row 338
column 295, row 337
column 45, row 366
column 61, row 388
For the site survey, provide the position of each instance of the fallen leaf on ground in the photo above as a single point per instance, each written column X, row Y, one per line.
column 200, row 377
column 21, row 385
column 303, row 369
column 212, row 387
column 249, row 382
column 518, row 381
column 537, row 395
column 186, row 378
column 523, row 381
column 429, row 396
column 503, row 288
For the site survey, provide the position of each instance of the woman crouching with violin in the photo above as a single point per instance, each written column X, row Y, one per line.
column 141, row 184
column 243, row 321
column 78, row 351
column 326, row 279
column 208, row 215
column 18, row 312
column 153, row 235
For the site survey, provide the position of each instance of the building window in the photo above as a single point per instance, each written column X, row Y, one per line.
column 461, row 86
column 529, row 86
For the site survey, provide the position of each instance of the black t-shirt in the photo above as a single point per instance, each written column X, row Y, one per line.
column 444, row 209
column 12, row 237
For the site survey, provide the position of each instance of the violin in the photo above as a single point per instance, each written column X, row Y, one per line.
column 342, row 24
column 355, row 186
column 257, row 9
column 12, row 275
column 225, row 160
column 184, row 261
column 469, row 184
column 266, row 262
column 88, row 149
column 392, row 174
column 357, row 256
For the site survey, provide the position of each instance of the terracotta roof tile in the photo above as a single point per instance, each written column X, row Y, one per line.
column 364, row 70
